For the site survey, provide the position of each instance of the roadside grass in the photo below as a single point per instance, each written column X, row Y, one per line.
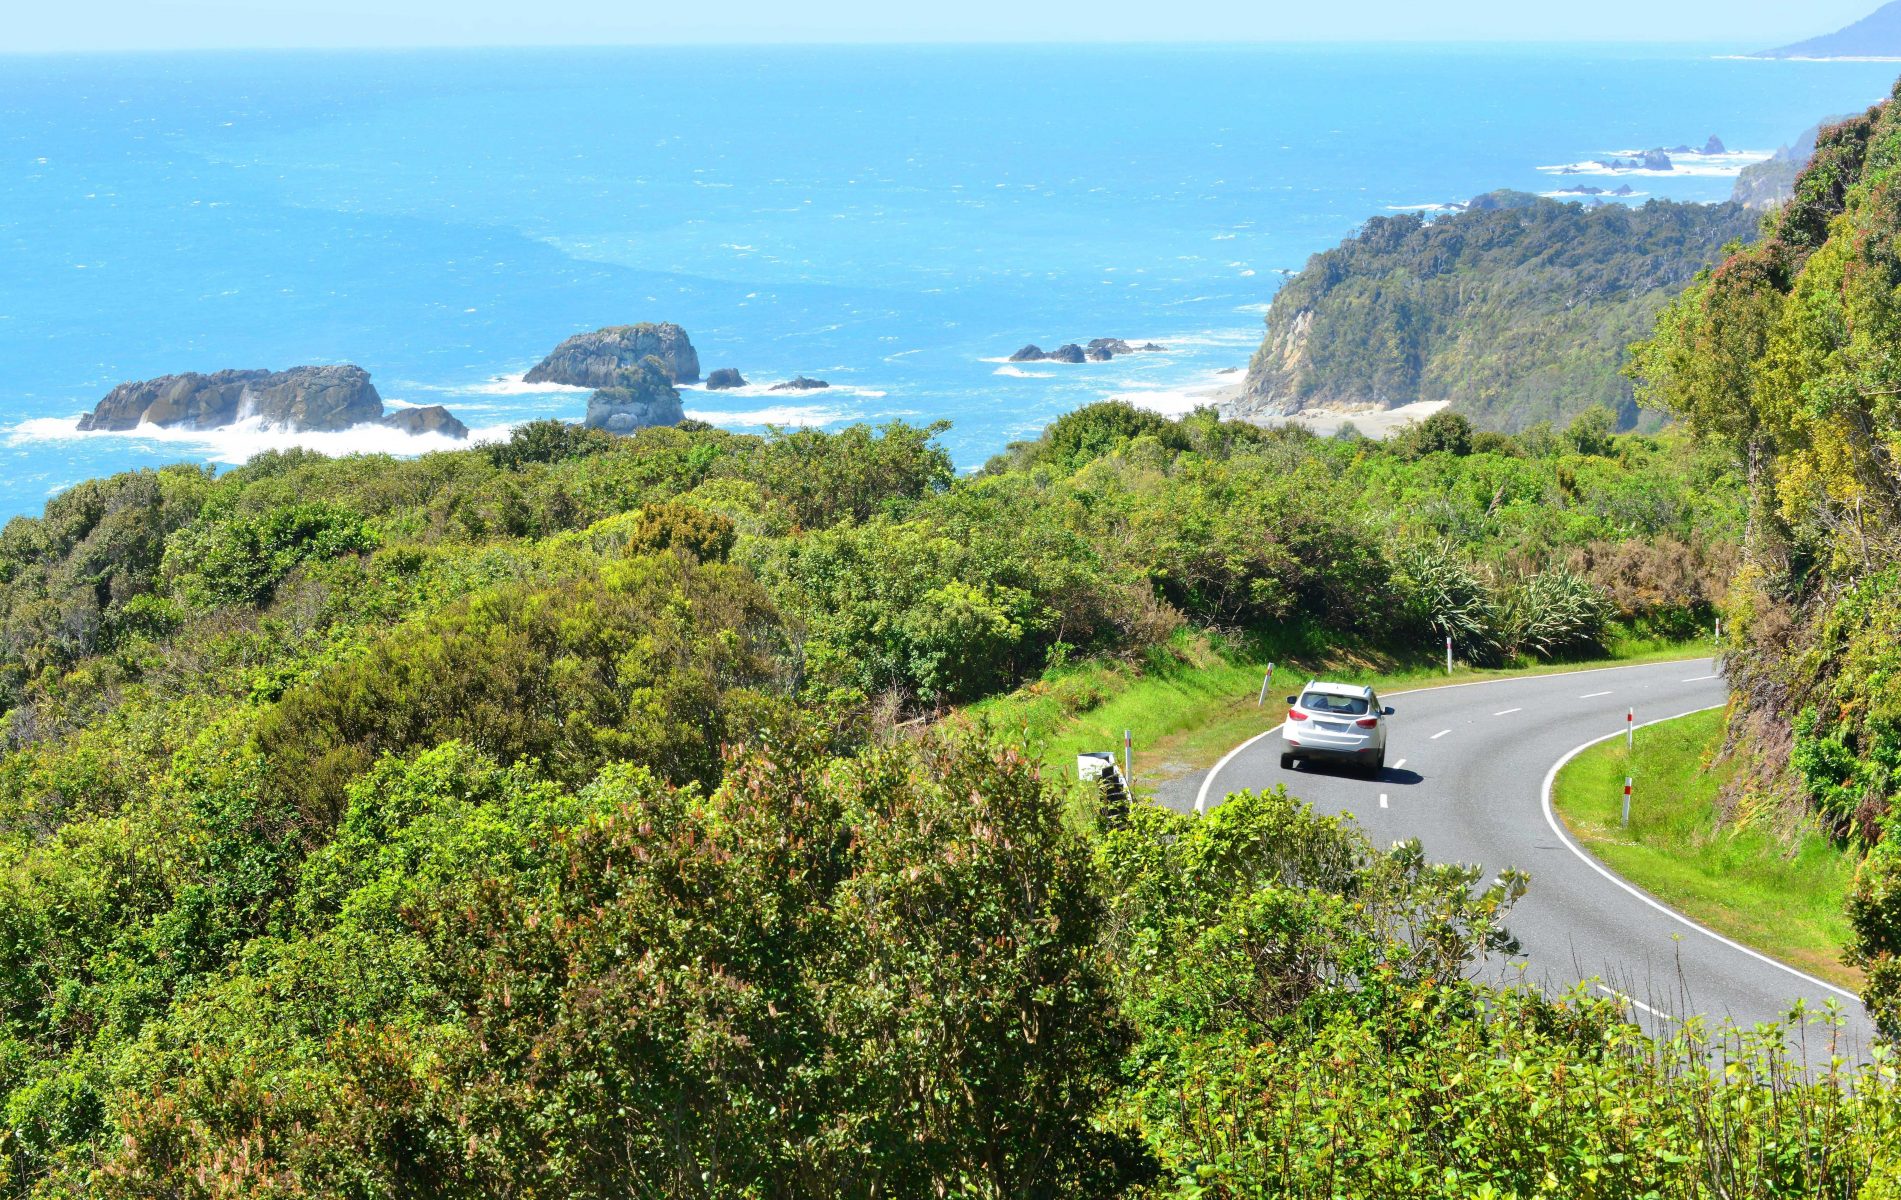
column 1778, row 896
column 1193, row 700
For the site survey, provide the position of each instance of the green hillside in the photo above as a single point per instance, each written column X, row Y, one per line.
column 1516, row 310
column 1784, row 355
column 564, row 817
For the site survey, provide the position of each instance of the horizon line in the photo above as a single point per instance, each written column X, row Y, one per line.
column 905, row 44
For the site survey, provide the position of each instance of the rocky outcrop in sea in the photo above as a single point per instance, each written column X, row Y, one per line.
column 598, row 359
column 641, row 395
column 1098, row 350
column 799, row 383
column 725, row 379
column 301, row 398
column 432, row 418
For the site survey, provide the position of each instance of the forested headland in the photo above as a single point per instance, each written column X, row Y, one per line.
column 1515, row 310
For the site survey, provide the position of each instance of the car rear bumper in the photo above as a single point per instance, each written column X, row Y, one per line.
column 1320, row 744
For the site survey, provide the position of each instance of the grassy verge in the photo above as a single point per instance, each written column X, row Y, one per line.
column 1193, row 701
column 1780, row 897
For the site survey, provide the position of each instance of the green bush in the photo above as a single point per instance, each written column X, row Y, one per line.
column 242, row 559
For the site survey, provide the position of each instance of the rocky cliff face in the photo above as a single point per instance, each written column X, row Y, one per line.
column 643, row 396
column 599, row 359
column 323, row 398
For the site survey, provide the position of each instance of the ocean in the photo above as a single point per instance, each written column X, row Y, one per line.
column 896, row 220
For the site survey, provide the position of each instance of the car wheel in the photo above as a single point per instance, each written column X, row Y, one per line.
column 1287, row 762
column 1379, row 765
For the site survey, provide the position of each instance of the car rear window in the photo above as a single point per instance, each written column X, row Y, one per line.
column 1352, row 706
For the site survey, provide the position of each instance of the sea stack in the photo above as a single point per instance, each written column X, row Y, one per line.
column 725, row 379
column 300, row 399
column 641, row 395
column 598, row 359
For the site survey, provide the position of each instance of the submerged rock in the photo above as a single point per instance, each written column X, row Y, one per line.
column 799, row 383
column 598, row 359
column 725, row 379
column 302, row 398
column 432, row 418
column 643, row 396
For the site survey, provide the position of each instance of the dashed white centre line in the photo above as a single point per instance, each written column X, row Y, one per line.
column 1507, row 712
column 1399, row 764
column 1592, row 695
column 1635, row 1003
column 1696, row 679
column 1435, row 737
column 1382, row 799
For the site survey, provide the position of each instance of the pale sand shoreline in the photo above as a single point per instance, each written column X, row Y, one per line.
column 1371, row 421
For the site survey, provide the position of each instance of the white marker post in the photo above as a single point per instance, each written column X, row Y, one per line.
column 1267, row 681
column 1630, row 732
column 1128, row 744
column 1626, row 801
column 1448, row 654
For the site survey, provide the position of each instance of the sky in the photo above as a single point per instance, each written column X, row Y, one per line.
column 100, row 25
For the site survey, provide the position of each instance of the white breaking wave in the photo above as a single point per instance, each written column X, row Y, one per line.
column 1568, row 194
column 1020, row 373
column 780, row 414
column 238, row 443
column 510, row 385
column 1707, row 166
column 763, row 387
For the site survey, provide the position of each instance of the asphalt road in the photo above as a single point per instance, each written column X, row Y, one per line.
column 1467, row 769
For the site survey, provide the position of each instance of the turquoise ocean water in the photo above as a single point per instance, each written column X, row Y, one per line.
column 894, row 220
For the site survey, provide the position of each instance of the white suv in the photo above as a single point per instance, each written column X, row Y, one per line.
column 1337, row 722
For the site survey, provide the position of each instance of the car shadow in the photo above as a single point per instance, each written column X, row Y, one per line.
column 1398, row 777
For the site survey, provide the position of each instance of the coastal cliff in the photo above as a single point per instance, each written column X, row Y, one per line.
column 1516, row 310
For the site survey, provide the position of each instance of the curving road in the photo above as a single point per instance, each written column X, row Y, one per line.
column 1468, row 771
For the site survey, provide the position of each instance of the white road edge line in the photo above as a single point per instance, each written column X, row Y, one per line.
column 1207, row 781
column 1508, row 712
column 1698, row 678
column 1435, row 737
column 1592, row 695
column 1557, row 827
column 1635, row 1003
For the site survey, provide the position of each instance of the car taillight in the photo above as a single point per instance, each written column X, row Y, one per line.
column 1294, row 714
column 1367, row 722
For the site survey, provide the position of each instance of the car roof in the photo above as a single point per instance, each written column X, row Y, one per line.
column 1338, row 689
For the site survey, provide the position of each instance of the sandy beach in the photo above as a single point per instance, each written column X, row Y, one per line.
column 1370, row 420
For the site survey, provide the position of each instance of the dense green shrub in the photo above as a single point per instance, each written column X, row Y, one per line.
column 242, row 559
column 869, row 979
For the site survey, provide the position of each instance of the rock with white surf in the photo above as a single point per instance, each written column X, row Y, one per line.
column 322, row 399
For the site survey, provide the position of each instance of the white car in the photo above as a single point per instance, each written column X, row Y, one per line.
column 1335, row 722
